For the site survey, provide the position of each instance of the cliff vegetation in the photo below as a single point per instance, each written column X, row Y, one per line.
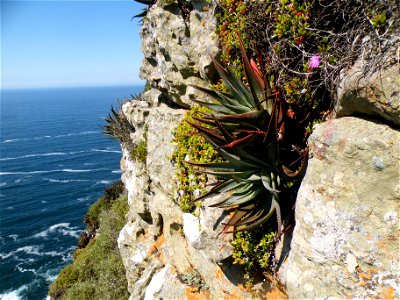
column 97, row 271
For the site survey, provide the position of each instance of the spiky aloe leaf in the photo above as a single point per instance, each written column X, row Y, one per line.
column 238, row 176
column 142, row 14
column 221, row 187
column 229, row 102
column 224, row 166
column 118, row 126
column 209, row 134
column 238, row 90
column 256, row 87
column 237, row 199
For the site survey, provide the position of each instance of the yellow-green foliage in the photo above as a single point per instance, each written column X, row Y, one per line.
column 254, row 250
column 97, row 271
column 232, row 21
column 139, row 151
column 190, row 147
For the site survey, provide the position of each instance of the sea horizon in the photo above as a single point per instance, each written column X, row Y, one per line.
column 71, row 87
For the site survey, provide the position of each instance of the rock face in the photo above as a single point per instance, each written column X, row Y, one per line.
column 168, row 254
column 346, row 240
column 177, row 51
column 159, row 245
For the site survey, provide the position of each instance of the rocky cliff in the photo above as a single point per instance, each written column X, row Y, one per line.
column 346, row 239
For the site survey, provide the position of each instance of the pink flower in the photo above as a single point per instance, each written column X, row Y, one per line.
column 314, row 61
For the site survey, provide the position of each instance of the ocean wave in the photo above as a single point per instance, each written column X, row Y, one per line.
column 63, row 228
column 13, row 236
column 15, row 294
column 51, row 275
column 106, row 150
column 33, row 250
column 51, row 136
column 22, row 270
column 65, row 180
column 50, row 171
column 3, row 184
column 103, row 182
column 116, row 171
column 34, row 155
column 81, row 199
column 30, row 250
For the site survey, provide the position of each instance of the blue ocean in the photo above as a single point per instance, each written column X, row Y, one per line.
column 55, row 162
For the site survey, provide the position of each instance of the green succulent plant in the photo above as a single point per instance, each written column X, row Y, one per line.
column 244, row 130
column 144, row 11
column 118, row 126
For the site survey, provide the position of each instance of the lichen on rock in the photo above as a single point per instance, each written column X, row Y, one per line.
column 346, row 237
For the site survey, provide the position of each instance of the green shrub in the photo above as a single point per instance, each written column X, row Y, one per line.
column 253, row 249
column 114, row 191
column 91, row 218
column 139, row 151
column 97, row 271
column 190, row 147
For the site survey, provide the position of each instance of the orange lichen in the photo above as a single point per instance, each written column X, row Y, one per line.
column 387, row 294
column 196, row 294
column 157, row 245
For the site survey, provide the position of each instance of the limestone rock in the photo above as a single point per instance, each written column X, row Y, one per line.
column 376, row 94
column 346, row 240
column 177, row 52
column 155, row 244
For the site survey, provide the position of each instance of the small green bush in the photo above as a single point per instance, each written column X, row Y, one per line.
column 139, row 151
column 253, row 249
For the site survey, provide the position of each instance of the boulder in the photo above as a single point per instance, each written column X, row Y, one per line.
column 346, row 240
column 376, row 95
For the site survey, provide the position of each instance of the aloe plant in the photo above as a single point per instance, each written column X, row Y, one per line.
column 246, row 128
column 144, row 11
column 118, row 126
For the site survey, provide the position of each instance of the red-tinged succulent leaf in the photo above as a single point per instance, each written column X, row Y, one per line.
column 255, row 132
column 302, row 169
column 229, row 137
column 215, row 107
column 208, row 133
column 249, row 116
column 257, row 72
column 245, row 141
column 257, row 89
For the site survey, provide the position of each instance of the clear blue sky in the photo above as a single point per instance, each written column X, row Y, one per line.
column 69, row 43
